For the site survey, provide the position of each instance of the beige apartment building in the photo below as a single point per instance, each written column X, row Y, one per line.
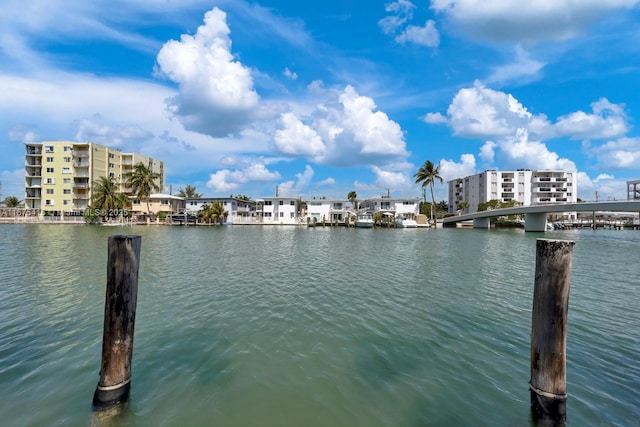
column 59, row 174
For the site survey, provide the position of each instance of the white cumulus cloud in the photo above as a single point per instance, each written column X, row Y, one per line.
column 526, row 21
column 293, row 188
column 607, row 121
column 216, row 95
column 450, row 169
column 231, row 180
column 623, row 153
column 294, row 138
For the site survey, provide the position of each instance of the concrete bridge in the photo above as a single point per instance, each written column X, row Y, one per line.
column 535, row 217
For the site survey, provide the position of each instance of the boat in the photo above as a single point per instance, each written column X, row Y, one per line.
column 406, row 221
column 364, row 220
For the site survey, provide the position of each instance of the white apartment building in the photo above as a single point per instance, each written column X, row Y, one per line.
column 240, row 210
column 527, row 187
column 278, row 210
column 633, row 190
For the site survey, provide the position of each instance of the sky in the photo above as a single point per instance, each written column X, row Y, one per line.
column 319, row 99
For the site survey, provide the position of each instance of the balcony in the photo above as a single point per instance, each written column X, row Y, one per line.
column 80, row 154
column 80, row 164
column 33, row 152
column 80, row 185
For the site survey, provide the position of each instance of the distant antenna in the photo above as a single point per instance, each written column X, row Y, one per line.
column 276, row 191
column 388, row 193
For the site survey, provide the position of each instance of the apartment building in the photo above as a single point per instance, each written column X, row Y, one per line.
column 59, row 174
column 633, row 190
column 525, row 186
column 278, row 210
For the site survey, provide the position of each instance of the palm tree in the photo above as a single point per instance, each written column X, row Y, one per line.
column 428, row 174
column 463, row 205
column 214, row 211
column 189, row 192
column 106, row 195
column 353, row 198
column 142, row 181
column 11, row 202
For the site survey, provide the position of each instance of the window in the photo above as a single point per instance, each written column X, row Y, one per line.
column 49, row 159
column 267, row 214
column 66, row 191
column 67, row 180
column 111, row 156
column 48, row 148
column 268, row 203
column 66, row 202
column 111, row 166
column 49, row 170
column 281, row 214
column 292, row 203
column 135, row 202
column 66, row 170
column 67, row 148
column 281, row 202
column 292, row 215
column 164, row 202
column 67, row 159
column 49, row 181
column 49, row 202
column 49, row 190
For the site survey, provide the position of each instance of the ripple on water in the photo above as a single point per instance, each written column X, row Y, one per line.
column 295, row 326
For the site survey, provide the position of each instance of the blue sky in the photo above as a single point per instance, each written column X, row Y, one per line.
column 321, row 98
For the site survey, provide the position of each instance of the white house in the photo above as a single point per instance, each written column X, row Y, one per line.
column 392, row 205
column 278, row 210
column 323, row 209
column 239, row 210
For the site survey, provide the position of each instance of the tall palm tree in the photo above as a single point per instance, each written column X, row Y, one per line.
column 143, row 181
column 353, row 198
column 106, row 195
column 11, row 202
column 428, row 174
column 189, row 192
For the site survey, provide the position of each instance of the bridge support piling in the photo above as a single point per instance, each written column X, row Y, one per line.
column 481, row 223
column 535, row 221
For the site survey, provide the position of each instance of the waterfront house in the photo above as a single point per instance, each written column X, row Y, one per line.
column 239, row 211
column 329, row 210
column 395, row 206
column 158, row 202
column 278, row 210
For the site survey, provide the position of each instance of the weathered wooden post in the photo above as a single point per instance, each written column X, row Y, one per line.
column 119, row 320
column 548, row 384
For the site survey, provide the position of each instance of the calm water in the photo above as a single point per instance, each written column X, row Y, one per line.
column 289, row 326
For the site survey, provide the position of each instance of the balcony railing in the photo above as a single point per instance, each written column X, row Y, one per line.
column 80, row 185
column 80, row 154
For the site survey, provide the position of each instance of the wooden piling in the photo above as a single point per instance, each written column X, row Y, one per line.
column 548, row 384
column 119, row 321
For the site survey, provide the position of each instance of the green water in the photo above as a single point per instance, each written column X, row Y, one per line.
column 289, row 326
